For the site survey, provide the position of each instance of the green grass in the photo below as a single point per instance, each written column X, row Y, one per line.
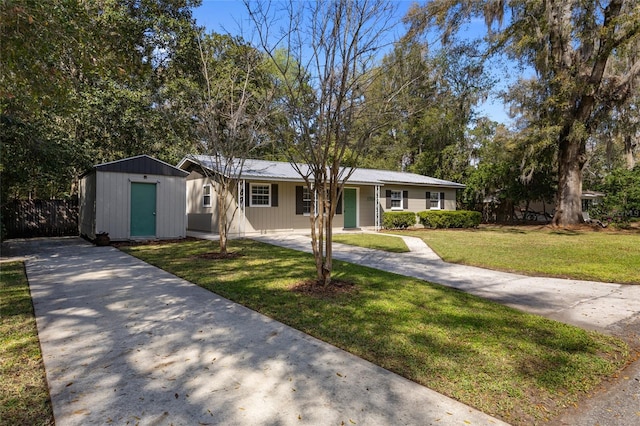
column 373, row 241
column 579, row 254
column 24, row 395
column 519, row 367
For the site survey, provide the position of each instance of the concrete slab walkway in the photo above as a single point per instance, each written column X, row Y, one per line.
column 126, row 343
column 609, row 308
column 605, row 307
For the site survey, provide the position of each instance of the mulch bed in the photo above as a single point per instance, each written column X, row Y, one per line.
column 150, row 242
column 213, row 255
column 335, row 288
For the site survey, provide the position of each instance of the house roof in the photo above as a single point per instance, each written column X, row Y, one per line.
column 141, row 164
column 284, row 171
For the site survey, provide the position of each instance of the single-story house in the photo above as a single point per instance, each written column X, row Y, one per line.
column 134, row 198
column 275, row 198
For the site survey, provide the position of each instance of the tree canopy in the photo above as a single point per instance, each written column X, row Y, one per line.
column 586, row 62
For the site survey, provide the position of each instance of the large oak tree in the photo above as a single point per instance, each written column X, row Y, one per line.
column 586, row 57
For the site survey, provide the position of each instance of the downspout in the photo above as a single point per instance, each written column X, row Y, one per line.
column 377, row 209
column 241, row 200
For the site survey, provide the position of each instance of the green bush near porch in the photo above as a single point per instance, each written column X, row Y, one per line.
column 450, row 219
column 398, row 220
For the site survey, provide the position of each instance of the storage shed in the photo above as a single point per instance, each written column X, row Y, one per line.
column 134, row 198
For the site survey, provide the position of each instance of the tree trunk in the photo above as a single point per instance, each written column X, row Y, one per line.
column 629, row 145
column 327, row 266
column 222, row 223
column 571, row 159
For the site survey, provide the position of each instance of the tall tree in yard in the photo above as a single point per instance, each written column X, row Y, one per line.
column 79, row 84
column 331, row 57
column 231, row 106
column 586, row 57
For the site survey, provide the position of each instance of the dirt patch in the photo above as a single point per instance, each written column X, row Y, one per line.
column 336, row 288
column 133, row 243
column 213, row 255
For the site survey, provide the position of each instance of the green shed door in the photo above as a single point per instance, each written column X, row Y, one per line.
column 143, row 209
column 350, row 208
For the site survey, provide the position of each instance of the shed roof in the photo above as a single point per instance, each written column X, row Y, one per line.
column 284, row 171
column 143, row 165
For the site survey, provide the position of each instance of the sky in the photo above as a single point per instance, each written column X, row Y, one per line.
column 230, row 16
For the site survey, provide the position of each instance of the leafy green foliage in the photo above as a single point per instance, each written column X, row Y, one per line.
column 576, row 87
column 622, row 197
column 398, row 220
column 450, row 219
column 83, row 83
column 433, row 106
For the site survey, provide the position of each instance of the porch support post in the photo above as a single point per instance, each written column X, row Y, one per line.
column 241, row 198
column 377, row 209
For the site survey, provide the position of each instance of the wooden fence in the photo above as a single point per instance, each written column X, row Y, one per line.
column 40, row 218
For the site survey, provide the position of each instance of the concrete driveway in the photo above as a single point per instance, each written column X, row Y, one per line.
column 124, row 342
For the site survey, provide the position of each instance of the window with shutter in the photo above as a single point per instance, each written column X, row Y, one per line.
column 396, row 200
column 434, row 201
column 260, row 195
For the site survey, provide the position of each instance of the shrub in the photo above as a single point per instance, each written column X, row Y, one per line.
column 450, row 219
column 398, row 220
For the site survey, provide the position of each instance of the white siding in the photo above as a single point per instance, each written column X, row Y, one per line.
column 113, row 204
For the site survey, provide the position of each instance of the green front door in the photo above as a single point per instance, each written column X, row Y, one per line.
column 143, row 209
column 350, row 208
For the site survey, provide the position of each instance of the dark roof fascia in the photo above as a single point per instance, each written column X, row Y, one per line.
column 146, row 165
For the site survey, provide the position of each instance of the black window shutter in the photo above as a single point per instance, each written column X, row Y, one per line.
column 274, row 195
column 387, row 195
column 428, row 197
column 299, row 202
column 405, row 199
column 339, row 206
column 247, row 194
column 442, row 200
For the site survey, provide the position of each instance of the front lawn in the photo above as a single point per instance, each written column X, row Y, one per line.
column 607, row 256
column 373, row 241
column 516, row 366
column 24, row 395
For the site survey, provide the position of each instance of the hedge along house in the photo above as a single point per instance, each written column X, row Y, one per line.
column 134, row 198
column 272, row 197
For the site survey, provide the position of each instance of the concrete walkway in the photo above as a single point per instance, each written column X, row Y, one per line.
column 124, row 342
column 610, row 308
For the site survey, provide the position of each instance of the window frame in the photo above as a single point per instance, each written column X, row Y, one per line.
column 397, row 199
column 251, row 194
column 205, row 195
column 437, row 201
column 306, row 208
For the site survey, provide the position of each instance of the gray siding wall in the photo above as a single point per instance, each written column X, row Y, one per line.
column 284, row 217
column 257, row 219
column 87, row 213
column 417, row 201
column 113, row 204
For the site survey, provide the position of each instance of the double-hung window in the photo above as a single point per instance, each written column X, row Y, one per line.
column 434, row 201
column 396, row 200
column 260, row 195
column 306, row 201
column 206, row 196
